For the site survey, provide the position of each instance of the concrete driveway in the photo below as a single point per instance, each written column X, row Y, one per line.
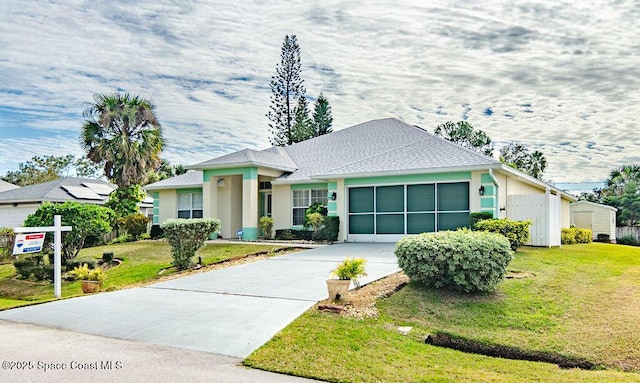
column 231, row 311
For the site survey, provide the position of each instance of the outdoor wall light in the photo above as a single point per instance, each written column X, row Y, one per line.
column 334, row 195
column 481, row 190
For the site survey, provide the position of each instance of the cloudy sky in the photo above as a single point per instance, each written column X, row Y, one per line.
column 561, row 76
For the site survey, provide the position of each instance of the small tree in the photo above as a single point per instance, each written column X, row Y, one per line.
column 316, row 220
column 518, row 157
column 186, row 236
column 266, row 224
column 463, row 134
column 124, row 201
column 302, row 124
column 322, row 117
column 85, row 220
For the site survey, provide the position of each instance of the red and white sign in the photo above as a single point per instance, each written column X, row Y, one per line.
column 28, row 243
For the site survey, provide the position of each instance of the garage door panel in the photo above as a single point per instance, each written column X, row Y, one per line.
column 361, row 224
column 361, row 200
column 390, row 224
column 454, row 196
column 421, row 223
column 452, row 221
column 390, row 199
column 421, row 198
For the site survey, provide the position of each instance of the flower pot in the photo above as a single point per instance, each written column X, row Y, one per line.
column 91, row 286
column 338, row 288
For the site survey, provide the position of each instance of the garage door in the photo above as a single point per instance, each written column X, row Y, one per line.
column 387, row 213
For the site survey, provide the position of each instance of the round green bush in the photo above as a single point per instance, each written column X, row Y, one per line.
column 463, row 260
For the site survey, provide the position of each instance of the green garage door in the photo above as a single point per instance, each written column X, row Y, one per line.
column 386, row 213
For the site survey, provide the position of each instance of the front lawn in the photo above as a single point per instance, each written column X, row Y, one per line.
column 580, row 301
column 142, row 262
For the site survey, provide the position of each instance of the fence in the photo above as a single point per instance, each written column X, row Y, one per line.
column 623, row 231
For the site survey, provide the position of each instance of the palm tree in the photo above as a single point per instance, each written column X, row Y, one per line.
column 123, row 134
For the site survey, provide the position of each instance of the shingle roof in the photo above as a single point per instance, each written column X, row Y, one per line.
column 188, row 179
column 4, row 186
column 53, row 191
column 275, row 158
column 379, row 146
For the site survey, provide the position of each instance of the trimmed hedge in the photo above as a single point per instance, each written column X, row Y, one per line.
column 330, row 230
column 479, row 216
column 186, row 236
column 517, row 232
column 461, row 260
column 572, row 235
column 627, row 240
column 294, row 235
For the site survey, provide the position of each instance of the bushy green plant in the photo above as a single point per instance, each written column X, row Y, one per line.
column 317, row 207
column 34, row 266
column 572, row 235
column 7, row 239
column 461, row 260
column 156, row 232
column 107, row 256
column 266, row 224
column 292, row 234
column 186, row 236
column 627, row 240
column 123, row 238
column 350, row 269
column 316, row 220
column 479, row 216
column 330, row 230
column 134, row 224
column 84, row 273
column 85, row 219
column 517, row 232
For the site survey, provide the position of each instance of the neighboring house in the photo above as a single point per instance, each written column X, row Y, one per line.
column 4, row 186
column 384, row 179
column 600, row 219
column 17, row 204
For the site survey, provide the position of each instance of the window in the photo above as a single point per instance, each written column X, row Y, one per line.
column 190, row 205
column 302, row 199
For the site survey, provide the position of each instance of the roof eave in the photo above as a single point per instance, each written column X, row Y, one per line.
column 520, row 176
column 405, row 172
column 240, row 164
column 171, row 187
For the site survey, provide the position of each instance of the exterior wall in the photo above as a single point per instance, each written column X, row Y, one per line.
column 603, row 218
column 168, row 205
column 565, row 211
column 229, row 203
column 281, row 206
column 11, row 216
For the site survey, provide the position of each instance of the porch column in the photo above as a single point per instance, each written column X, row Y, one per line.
column 250, row 204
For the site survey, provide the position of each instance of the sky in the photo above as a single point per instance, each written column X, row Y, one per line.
column 562, row 77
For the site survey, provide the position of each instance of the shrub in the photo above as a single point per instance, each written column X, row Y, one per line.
column 266, row 224
column 7, row 239
column 186, row 236
column 107, row 257
column 627, row 240
column 34, row 266
column 85, row 273
column 134, row 224
column 479, row 216
column 517, row 232
column 292, row 235
column 460, row 260
column 571, row 235
column 330, row 230
column 316, row 220
column 85, row 220
column 122, row 239
column 70, row 265
column 25, row 267
column 156, row 232
column 317, row 207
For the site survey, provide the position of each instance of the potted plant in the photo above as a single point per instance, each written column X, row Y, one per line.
column 349, row 270
column 91, row 278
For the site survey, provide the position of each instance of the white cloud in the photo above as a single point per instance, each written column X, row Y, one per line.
column 541, row 72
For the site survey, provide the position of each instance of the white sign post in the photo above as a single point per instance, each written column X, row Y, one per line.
column 57, row 230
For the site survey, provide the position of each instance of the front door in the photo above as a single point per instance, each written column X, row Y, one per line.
column 266, row 202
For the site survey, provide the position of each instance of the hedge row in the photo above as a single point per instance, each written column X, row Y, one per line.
column 572, row 235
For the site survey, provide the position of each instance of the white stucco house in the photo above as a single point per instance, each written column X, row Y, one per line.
column 384, row 179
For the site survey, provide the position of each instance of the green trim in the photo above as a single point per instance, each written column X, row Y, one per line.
column 487, row 202
column 249, row 233
column 485, row 178
column 213, row 236
column 409, row 178
column 332, row 206
column 249, row 172
column 188, row 191
column 309, row 186
column 332, row 185
column 156, row 210
column 156, row 220
column 156, row 199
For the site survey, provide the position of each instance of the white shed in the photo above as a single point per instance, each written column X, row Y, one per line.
column 600, row 219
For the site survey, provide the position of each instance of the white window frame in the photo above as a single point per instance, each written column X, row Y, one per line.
column 192, row 205
column 303, row 202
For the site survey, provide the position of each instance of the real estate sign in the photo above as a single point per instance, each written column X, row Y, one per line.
column 28, row 243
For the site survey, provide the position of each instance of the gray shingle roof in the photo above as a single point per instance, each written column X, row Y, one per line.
column 4, row 186
column 186, row 180
column 51, row 191
column 379, row 146
column 274, row 158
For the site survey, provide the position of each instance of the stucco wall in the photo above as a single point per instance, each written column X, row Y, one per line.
column 281, row 207
column 230, row 205
column 168, row 205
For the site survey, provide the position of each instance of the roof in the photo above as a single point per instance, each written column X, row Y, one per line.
column 274, row 158
column 594, row 204
column 4, row 186
column 187, row 180
column 61, row 190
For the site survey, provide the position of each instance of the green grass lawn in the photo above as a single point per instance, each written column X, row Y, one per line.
column 580, row 300
column 142, row 263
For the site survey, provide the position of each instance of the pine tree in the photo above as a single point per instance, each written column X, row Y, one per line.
column 303, row 127
column 286, row 88
column 322, row 117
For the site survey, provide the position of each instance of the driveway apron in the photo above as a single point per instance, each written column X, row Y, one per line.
column 230, row 311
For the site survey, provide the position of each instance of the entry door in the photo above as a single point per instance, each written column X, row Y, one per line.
column 267, row 204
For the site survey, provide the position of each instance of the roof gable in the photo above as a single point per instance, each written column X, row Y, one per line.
column 188, row 179
column 54, row 191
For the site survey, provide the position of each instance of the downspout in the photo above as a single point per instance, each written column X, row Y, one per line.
column 497, row 197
